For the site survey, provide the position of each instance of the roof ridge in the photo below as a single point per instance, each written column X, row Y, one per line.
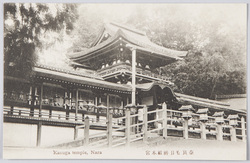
column 72, row 72
column 128, row 28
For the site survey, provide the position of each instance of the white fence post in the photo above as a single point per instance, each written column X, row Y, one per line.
column 128, row 130
column 145, row 124
column 165, row 121
column 109, row 128
column 243, row 129
column 86, row 132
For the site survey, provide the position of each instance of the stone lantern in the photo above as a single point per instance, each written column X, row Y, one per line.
column 187, row 111
column 102, row 108
column 219, row 119
column 131, row 109
column 203, row 119
column 203, row 114
column 186, row 115
column 233, row 121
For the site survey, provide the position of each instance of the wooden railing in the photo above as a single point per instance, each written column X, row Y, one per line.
column 28, row 113
column 127, row 67
column 134, row 127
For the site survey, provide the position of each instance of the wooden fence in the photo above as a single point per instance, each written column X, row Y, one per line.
column 135, row 126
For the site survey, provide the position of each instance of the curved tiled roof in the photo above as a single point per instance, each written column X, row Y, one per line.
column 132, row 36
column 69, row 77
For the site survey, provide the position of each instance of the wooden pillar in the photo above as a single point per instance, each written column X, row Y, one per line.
column 70, row 100
column 219, row 132
column 109, row 129
column 32, row 101
column 165, row 120
column 107, row 107
column 203, row 131
column 233, row 133
column 133, row 98
column 75, row 133
column 39, row 134
column 127, row 123
column 97, row 110
column 41, row 101
column 145, row 124
column 86, row 132
column 185, row 127
column 76, row 104
column 243, row 129
column 30, row 96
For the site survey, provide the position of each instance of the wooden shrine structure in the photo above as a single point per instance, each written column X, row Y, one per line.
column 123, row 94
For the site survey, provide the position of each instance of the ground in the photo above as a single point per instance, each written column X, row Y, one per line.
column 172, row 148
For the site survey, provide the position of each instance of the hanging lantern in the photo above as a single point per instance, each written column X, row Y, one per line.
column 116, row 111
column 90, row 106
column 147, row 67
column 111, row 110
column 127, row 61
column 46, row 100
column 203, row 114
column 233, row 120
column 21, row 95
column 5, row 94
column 187, row 111
column 219, row 117
column 114, row 62
column 103, row 66
column 102, row 108
column 131, row 107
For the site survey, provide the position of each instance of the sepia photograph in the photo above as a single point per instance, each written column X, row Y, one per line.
column 163, row 81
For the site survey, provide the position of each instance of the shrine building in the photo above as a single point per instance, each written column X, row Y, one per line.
column 120, row 71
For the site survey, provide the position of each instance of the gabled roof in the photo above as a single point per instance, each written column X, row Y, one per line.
column 149, row 86
column 131, row 36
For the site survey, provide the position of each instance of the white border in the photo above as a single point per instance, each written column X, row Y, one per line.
column 114, row 1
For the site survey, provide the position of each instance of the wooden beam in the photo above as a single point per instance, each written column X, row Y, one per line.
column 76, row 104
column 133, row 76
column 107, row 106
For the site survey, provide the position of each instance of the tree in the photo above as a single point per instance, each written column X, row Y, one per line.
column 24, row 27
column 216, row 61
column 214, row 37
